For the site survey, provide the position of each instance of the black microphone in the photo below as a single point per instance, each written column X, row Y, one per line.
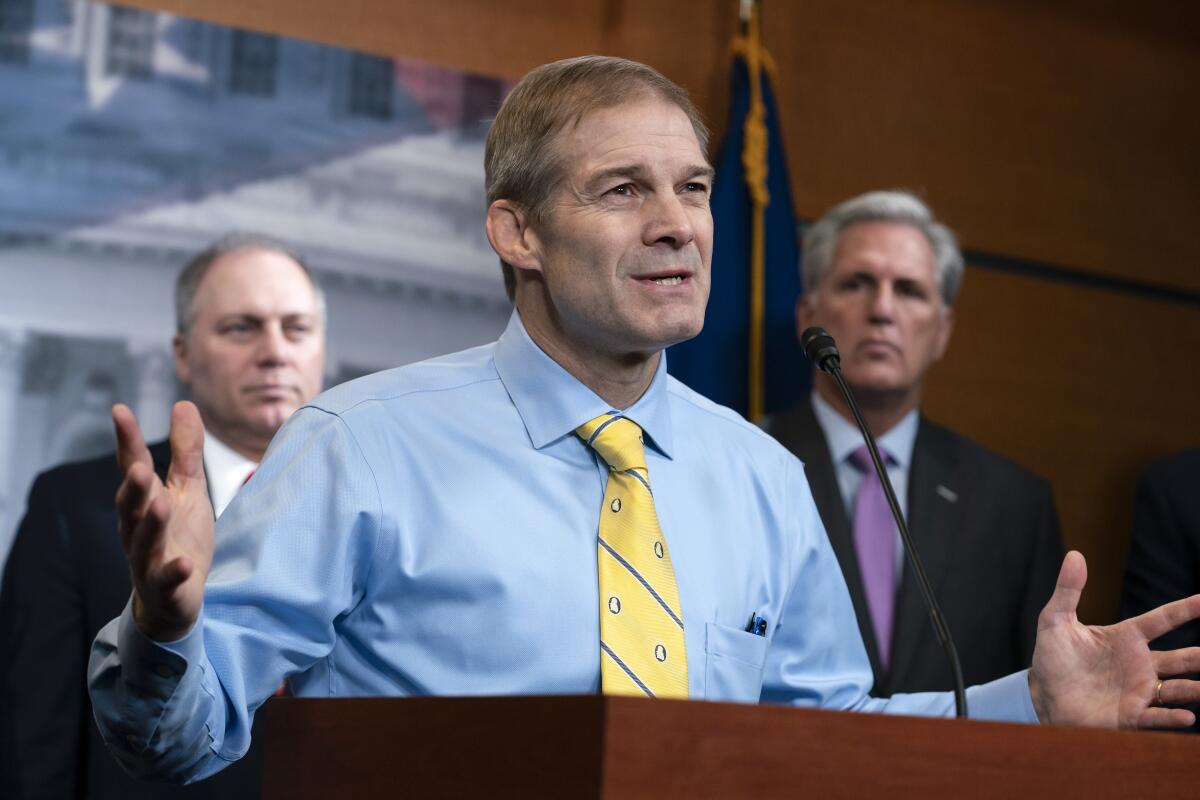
column 821, row 350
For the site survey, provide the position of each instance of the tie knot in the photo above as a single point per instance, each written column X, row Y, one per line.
column 861, row 458
column 617, row 440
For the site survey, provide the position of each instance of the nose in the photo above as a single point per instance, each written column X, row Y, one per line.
column 882, row 308
column 669, row 221
column 273, row 346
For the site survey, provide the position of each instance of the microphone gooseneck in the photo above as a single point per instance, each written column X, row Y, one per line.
column 822, row 351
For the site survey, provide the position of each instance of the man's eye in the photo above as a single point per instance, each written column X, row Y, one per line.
column 624, row 190
column 236, row 327
column 695, row 186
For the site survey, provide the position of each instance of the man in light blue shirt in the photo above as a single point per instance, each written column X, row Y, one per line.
column 432, row 529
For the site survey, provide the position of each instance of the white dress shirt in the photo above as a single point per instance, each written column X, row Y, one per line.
column 226, row 470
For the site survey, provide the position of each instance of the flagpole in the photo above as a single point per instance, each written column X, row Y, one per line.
column 754, row 164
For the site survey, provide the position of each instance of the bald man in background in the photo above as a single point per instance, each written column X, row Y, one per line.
column 250, row 347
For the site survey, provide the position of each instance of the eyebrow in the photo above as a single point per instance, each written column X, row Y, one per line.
column 639, row 172
column 256, row 317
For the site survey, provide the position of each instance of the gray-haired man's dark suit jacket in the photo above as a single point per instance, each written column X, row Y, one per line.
column 988, row 534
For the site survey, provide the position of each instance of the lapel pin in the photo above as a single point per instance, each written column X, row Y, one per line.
column 950, row 495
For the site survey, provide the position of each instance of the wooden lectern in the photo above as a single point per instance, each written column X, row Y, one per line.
column 602, row 747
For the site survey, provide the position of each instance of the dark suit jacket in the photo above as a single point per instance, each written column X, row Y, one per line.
column 65, row 579
column 988, row 534
column 1164, row 551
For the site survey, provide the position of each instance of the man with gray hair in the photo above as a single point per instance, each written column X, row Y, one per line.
column 881, row 275
column 249, row 345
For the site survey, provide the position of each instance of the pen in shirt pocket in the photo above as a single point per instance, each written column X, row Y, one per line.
column 757, row 625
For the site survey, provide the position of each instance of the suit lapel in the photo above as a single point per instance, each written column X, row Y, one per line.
column 799, row 432
column 936, row 500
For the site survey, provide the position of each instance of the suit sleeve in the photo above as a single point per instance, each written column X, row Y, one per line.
column 1045, row 560
column 42, row 635
column 1162, row 565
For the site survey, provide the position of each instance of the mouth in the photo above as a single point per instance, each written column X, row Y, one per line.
column 270, row 391
column 878, row 346
column 666, row 278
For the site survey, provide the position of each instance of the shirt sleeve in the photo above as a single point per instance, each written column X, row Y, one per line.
column 817, row 657
column 293, row 555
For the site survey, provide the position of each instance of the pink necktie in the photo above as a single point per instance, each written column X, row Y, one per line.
column 875, row 544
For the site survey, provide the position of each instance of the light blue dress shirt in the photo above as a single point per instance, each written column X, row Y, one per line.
column 431, row 530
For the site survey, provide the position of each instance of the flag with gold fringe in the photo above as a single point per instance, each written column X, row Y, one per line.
column 747, row 357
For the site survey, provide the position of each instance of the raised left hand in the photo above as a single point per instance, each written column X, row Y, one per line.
column 1107, row 676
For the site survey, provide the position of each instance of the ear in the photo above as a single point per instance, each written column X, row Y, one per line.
column 943, row 335
column 512, row 237
column 179, row 351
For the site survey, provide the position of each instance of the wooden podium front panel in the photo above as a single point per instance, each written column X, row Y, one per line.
column 362, row 748
column 593, row 747
column 723, row 750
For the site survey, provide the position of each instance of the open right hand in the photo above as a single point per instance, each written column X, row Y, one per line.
column 166, row 528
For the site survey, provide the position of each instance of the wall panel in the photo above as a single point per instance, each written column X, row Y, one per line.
column 1084, row 386
column 1062, row 132
column 1046, row 131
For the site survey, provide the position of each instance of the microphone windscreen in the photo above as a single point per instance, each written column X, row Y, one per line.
column 820, row 348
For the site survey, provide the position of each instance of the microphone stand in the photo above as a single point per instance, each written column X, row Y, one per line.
column 820, row 348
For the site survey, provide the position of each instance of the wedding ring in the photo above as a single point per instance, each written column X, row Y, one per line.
column 1158, row 701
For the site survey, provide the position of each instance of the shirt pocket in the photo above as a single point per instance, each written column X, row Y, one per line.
column 733, row 663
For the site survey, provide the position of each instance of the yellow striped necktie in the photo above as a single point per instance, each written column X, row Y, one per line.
column 642, row 649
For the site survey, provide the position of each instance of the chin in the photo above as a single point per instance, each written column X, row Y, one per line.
column 676, row 331
column 267, row 421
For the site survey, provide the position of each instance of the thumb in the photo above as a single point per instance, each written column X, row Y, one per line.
column 1071, row 579
column 187, row 445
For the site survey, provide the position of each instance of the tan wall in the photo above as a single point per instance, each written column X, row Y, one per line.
column 1062, row 132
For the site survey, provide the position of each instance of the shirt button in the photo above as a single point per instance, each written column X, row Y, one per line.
column 164, row 671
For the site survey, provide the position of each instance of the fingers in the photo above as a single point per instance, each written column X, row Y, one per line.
column 1168, row 617
column 1156, row 717
column 131, row 446
column 1178, row 692
column 140, row 487
column 1071, row 579
column 145, row 536
column 1177, row 662
column 155, row 578
column 187, row 445
column 165, row 579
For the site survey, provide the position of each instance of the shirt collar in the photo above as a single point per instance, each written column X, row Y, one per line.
column 226, row 471
column 844, row 438
column 553, row 403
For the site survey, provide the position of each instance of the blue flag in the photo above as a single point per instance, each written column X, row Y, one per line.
column 717, row 362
